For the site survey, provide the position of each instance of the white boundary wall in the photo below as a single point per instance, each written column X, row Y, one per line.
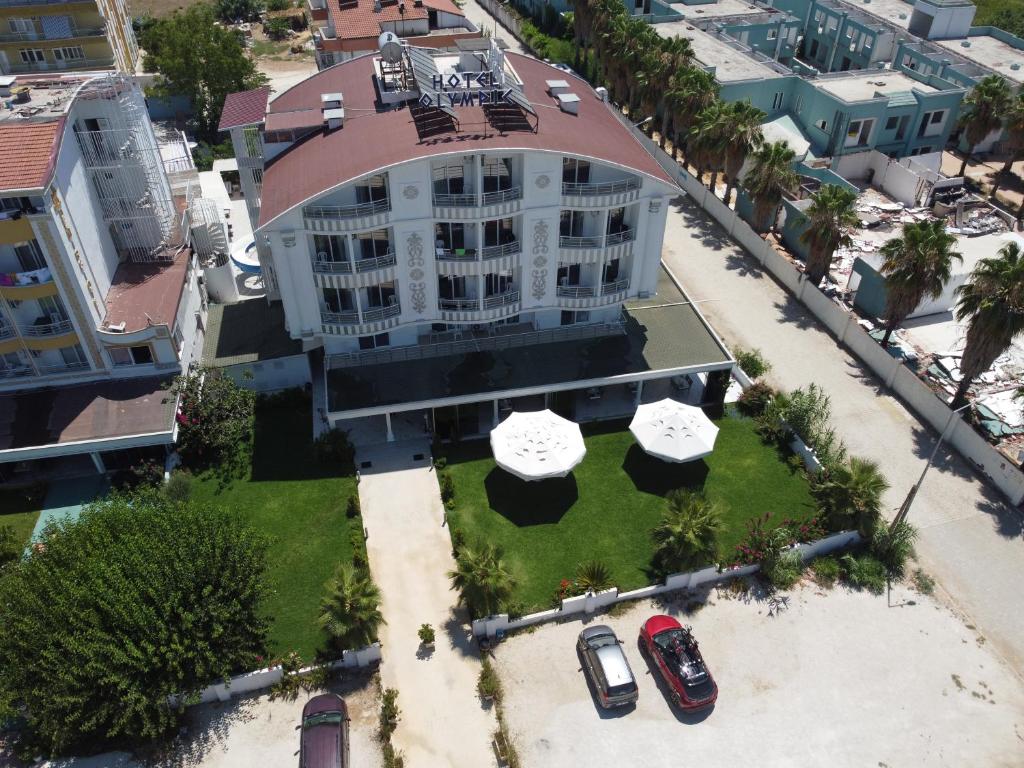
column 591, row 602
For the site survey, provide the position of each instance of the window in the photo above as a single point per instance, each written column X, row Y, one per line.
column 251, row 141
column 372, row 342
column 773, row 34
column 890, row 124
column 498, row 232
column 70, row 53
column 124, row 356
column 450, row 236
column 382, row 295
column 30, row 257
column 53, row 309
column 74, row 356
column 339, row 300
column 575, row 171
column 22, row 26
column 329, row 248
column 570, row 223
column 777, row 100
column 937, row 117
column 450, row 180
column 813, row 53
column 372, row 245
column 496, row 283
column 497, row 174
column 859, row 132
column 451, row 287
column 568, row 275
column 611, row 271
column 11, row 361
column 822, row 125
column 571, row 318
column 32, row 56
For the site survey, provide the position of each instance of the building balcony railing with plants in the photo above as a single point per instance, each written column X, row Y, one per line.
column 455, row 254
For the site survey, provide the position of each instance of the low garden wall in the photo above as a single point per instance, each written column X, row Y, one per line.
column 591, row 602
column 266, row 678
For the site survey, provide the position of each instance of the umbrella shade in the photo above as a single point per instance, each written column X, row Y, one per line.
column 536, row 445
column 673, row 431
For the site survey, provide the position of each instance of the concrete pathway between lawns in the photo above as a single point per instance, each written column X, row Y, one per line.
column 443, row 722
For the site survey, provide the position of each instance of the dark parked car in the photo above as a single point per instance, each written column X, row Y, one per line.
column 674, row 651
column 606, row 665
column 324, row 741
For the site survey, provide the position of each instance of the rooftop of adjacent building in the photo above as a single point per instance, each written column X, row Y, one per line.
column 721, row 8
column 870, row 84
column 990, row 52
column 363, row 18
column 732, row 61
column 661, row 334
column 375, row 137
column 85, row 412
column 247, row 332
column 147, row 293
column 894, row 11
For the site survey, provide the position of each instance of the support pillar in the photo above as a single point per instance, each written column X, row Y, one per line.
column 639, row 393
column 98, row 461
column 495, row 404
column 391, row 435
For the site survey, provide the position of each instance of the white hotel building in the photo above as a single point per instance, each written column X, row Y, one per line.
column 414, row 244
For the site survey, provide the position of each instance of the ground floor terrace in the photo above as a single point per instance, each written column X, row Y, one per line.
column 661, row 348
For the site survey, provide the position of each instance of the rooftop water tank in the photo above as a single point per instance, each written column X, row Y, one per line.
column 390, row 46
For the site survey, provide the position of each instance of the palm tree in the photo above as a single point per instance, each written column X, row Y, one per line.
column 1014, row 125
column 830, row 217
column 992, row 302
column 916, row 264
column 769, row 179
column 350, row 612
column 482, row 579
column 698, row 90
column 986, row 104
column 705, row 142
column 687, row 536
column 741, row 133
column 850, row 496
column 593, row 576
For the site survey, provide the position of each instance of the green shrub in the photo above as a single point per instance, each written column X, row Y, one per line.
column 863, row 571
column 826, row 570
column 755, row 399
column 447, row 489
column 458, row 541
column 784, row 570
column 440, row 463
column 390, row 714
column 924, row 583
column 752, row 362
column 593, row 576
column 277, row 29
column 278, row 5
column 10, row 547
column 426, row 634
column 893, row 547
column 352, row 507
column 488, row 685
column 393, row 758
column 179, row 486
column 215, row 418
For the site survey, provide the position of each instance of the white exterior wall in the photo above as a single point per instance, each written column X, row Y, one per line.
column 412, row 219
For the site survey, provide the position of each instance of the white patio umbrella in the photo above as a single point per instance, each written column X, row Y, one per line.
column 535, row 445
column 673, row 431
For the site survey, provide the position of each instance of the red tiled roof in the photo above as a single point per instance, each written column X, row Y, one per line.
column 374, row 140
column 300, row 118
column 362, row 20
column 28, row 151
column 244, row 108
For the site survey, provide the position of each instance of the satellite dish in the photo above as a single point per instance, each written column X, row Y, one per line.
column 390, row 47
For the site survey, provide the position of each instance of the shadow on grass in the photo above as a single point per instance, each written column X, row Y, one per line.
column 530, row 503
column 282, row 446
column 657, row 477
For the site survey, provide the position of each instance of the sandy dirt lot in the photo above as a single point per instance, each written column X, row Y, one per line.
column 838, row 678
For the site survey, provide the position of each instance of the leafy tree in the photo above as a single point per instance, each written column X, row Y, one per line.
column 10, row 547
column 992, row 303
column 830, row 217
column 741, row 133
column 350, row 612
column 916, row 264
column 1014, row 131
column 593, row 576
column 984, row 107
column 753, row 362
column 687, row 536
column 850, row 496
column 195, row 58
column 214, row 418
column 482, row 579
column 231, row 11
column 697, row 91
column 893, row 546
column 139, row 599
column 277, row 28
column 771, row 177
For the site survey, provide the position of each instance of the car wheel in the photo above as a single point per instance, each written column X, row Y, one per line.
column 676, row 700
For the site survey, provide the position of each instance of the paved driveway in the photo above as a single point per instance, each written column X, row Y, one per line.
column 837, row 679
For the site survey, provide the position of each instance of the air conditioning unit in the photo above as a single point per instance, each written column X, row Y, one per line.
column 116, row 327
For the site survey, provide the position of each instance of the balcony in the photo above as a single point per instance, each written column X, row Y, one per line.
column 458, row 305
column 376, row 262
column 616, row 286
column 353, row 317
column 576, row 291
column 71, row 64
column 63, row 368
column 603, row 188
column 455, row 254
column 502, row 196
column 347, row 211
column 381, row 313
column 501, row 299
column 20, row 37
column 330, row 267
column 6, row 332
column 350, row 317
column 465, row 200
column 614, row 238
column 497, row 251
column 47, row 327
column 597, row 241
column 15, row 373
column 581, row 296
column 34, row 284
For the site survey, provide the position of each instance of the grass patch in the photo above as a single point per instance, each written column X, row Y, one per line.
column 268, row 48
column 301, row 508
column 606, row 509
column 20, row 507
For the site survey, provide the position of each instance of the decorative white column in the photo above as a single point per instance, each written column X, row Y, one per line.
column 639, row 393
column 98, row 461
column 391, row 435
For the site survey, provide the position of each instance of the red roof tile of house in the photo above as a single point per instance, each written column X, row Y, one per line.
column 363, row 20
column 372, row 140
column 244, row 108
column 29, row 152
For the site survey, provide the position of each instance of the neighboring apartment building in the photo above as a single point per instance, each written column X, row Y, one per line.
column 853, row 75
column 344, row 29
column 418, row 206
column 58, row 35
column 99, row 301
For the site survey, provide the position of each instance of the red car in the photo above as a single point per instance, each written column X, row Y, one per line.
column 324, row 739
column 674, row 652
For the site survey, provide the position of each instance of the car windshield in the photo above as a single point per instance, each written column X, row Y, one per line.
column 680, row 652
column 322, row 718
column 602, row 640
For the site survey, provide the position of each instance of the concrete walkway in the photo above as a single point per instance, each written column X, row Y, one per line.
column 65, row 499
column 443, row 722
column 970, row 539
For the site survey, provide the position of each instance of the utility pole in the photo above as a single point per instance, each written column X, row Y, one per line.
column 904, row 509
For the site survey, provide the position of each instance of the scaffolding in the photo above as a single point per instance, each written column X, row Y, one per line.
column 123, row 161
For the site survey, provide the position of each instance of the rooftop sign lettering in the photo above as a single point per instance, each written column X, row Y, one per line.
column 466, row 89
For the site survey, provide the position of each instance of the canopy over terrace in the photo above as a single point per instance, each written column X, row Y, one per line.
column 537, row 445
column 673, row 431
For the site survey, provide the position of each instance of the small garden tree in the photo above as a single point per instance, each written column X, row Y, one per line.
column 850, row 496
column 687, row 536
column 214, row 418
column 482, row 579
column 139, row 599
column 350, row 612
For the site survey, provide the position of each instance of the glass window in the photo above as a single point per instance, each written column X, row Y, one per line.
column 891, row 123
column 120, row 356
column 30, row 257
column 32, row 55
column 73, row 355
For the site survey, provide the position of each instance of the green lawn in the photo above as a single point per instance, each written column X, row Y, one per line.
column 301, row 509
column 608, row 506
column 19, row 508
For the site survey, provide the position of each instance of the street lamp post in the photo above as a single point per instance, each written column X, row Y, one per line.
column 904, row 509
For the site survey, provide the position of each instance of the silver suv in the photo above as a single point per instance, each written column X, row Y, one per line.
column 605, row 663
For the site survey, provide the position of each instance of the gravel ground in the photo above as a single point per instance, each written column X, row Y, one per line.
column 253, row 731
column 837, row 678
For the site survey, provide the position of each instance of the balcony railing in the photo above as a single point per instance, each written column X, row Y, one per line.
column 381, row 313
column 54, row 328
column 575, row 291
column 459, row 305
column 497, row 251
column 6, row 332
column 332, row 267
column 455, row 254
column 375, row 262
column 19, row 69
column 614, row 238
column 462, row 200
column 18, row 37
column 14, row 373
column 616, row 286
column 350, row 317
column 502, row 195
column 573, row 241
column 501, row 299
column 347, row 211
column 63, row 367
column 603, row 188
